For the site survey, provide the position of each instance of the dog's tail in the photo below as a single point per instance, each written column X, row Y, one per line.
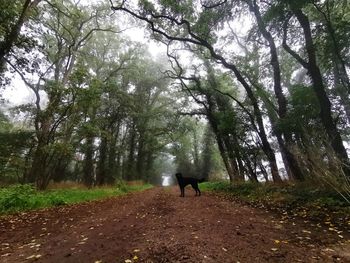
column 202, row 180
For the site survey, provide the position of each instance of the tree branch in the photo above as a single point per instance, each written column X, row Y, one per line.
column 289, row 50
column 213, row 5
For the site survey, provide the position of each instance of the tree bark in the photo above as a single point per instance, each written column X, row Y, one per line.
column 318, row 86
column 101, row 165
column 88, row 167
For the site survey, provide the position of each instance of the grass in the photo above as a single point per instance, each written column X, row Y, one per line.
column 18, row 198
column 297, row 199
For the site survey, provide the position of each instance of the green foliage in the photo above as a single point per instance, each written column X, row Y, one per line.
column 184, row 7
column 24, row 197
column 10, row 11
column 289, row 195
column 186, row 148
column 121, row 186
column 5, row 124
column 304, row 114
column 219, row 186
column 13, row 146
column 16, row 198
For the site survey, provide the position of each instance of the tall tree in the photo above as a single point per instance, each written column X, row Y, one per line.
column 285, row 144
column 314, row 72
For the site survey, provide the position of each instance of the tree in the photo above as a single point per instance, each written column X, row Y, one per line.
column 63, row 42
column 286, row 143
column 13, row 15
column 314, row 72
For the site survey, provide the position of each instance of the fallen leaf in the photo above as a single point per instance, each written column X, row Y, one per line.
column 34, row 257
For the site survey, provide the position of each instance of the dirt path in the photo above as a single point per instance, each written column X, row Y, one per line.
column 158, row 226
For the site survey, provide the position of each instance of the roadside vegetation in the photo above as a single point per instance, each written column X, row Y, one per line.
column 18, row 198
column 318, row 204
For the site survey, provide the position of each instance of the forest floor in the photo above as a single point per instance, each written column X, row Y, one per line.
column 157, row 225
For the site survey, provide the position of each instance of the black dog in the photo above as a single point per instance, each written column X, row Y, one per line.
column 183, row 181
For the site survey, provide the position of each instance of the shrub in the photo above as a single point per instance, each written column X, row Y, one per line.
column 121, row 186
column 16, row 197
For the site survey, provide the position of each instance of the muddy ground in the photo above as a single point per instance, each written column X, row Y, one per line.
column 158, row 226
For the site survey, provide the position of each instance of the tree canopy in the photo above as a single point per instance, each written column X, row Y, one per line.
column 246, row 90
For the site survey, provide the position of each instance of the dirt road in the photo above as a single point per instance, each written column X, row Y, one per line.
column 159, row 226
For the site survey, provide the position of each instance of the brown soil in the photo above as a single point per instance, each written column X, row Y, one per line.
column 158, row 226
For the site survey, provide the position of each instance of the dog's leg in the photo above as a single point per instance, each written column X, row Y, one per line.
column 195, row 187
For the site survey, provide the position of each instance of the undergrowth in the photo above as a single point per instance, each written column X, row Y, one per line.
column 303, row 200
column 24, row 197
column 288, row 194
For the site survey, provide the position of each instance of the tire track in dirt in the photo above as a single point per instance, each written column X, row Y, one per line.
column 157, row 226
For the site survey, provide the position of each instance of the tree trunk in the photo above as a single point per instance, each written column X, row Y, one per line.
column 341, row 91
column 252, row 174
column 195, row 153
column 291, row 163
column 38, row 172
column 266, row 147
column 140, row 161
column 234, row 158
column 220, row 143
column 88, row 166
column 101, row 165
column 130, row 172
column 318, row 86
column 263, row 171
column 113, row 167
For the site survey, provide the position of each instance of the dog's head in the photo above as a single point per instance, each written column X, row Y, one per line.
column 178, row 175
